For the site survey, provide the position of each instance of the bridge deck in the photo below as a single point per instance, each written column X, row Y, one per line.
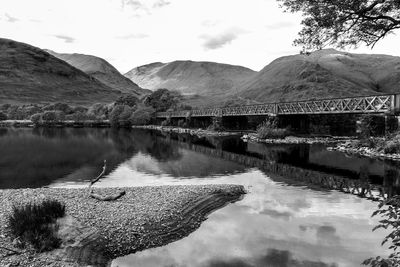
column 359, row 104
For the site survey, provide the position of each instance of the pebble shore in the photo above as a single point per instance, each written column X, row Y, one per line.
column 145, row 217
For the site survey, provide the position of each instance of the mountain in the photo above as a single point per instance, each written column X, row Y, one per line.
column 102, row 71
column 323, row 74
column 191, row 77
column 31, row 75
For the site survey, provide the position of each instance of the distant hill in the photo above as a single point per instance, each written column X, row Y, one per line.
column 30, row 75
column 102, row 71
column 323, row 74
column 191, row 77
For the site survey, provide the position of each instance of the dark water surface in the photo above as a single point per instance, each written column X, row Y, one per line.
column 290, row 217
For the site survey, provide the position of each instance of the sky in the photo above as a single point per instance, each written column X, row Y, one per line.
column 130, row 33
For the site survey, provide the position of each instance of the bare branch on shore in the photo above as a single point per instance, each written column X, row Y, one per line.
column 100, row 197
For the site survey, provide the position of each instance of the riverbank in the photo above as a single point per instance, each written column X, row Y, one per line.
column 197, row 132
column 252, row 137
column 101, row 231
column 370, row 148
column 60, row 124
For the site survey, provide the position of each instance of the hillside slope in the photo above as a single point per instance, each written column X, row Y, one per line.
column 190, row 77
column 324, row 74
column 31, row 75
column 102, row 71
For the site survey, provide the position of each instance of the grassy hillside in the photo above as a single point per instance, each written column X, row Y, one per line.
column 31, row 75
column 190, row 77
column 324, row 74
column 102, row 71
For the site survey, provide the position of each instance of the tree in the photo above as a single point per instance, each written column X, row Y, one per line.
column 3, row 116
column 35, row 118
column 142, row 115
column 162, row 100
column 344, row 22
column 49, row 116
column 129, row 100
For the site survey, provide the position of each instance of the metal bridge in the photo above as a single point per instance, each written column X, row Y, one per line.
column 359, row 104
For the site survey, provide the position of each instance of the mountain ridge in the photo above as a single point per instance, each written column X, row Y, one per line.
column 102, row 70
column 29, row 74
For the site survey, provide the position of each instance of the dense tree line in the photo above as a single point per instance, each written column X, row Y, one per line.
column 125, row 111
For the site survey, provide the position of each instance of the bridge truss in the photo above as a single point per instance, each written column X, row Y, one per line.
column 360, row 104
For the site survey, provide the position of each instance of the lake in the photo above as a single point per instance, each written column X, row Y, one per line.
column 291, row 215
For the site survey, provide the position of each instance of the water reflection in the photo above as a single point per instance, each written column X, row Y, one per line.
column 276, row 223
column 295, row 214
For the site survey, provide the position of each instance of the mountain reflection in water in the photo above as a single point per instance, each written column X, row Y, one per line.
column 306, row 206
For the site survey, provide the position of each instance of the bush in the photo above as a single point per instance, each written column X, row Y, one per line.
column 392, row 146
column 268, row 129
column 142, row 115
column 181, row 123
column 59, row 107
column 32, row 224
column 120, row 116
column 49, row 116
column 3, row 116
column 128, row 100
column 99, row 111
column 216, row 125
column 162, row 100
column 35, row 118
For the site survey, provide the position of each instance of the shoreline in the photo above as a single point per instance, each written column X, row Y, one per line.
column 198, row 132
column 145, row 217
column 60, row 124
column 297, row 139
column 363, row 151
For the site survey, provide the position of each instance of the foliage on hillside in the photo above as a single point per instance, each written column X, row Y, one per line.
column 127, row 110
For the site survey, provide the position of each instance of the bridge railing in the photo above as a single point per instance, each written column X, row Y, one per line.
column 359, row 104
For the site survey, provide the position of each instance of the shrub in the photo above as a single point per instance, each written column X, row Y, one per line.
column 32, row 223
column 142, row 115
column 120, row 116
column 268, row 129
column 49, row 116
column 99, row 111
column 162, row 100
column 114, row 116
column 128, row 100
column 35, row 118
column 3, row 116
column 64, row 107
column 216, row 125
column 392, row 146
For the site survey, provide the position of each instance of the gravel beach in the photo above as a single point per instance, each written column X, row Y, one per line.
column 145, row 217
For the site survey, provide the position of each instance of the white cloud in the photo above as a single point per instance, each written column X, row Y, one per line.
column 136, row 32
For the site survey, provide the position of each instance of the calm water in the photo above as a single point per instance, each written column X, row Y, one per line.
column 288, row 218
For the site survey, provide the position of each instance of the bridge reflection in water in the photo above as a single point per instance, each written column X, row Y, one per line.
column 359, row 183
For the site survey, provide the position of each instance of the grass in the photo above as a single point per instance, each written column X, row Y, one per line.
column 388, row 145
column 268, row 130
column 33, row 224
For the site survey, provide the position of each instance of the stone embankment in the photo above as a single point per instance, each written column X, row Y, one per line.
column 296, row 139
column 95, row 232
column 198, row 132
column 351, row 148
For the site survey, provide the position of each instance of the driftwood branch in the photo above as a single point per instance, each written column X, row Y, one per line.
column 10, row 251
column 100, row 197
